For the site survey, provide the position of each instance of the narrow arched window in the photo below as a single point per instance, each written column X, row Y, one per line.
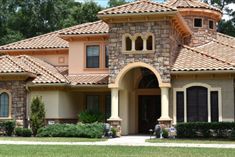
column 139, row 44
column 4, row 105
column 150, row 43
column 128, row 44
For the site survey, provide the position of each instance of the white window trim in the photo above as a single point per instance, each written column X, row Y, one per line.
column 213, row 24
column 209, row 90
column 10, row 100
column 194, row 22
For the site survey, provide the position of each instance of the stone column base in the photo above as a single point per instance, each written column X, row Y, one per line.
column 116, row 124
column 165, row 122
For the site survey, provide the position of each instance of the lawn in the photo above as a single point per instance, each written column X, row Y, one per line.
column 50, row 139
column 201, row 141
column 109, row 151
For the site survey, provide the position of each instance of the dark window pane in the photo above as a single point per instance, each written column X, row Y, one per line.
column 139, row 44
column 214, row 106
column 148, row 81
column 128, row 44
column 106, row 57
column 197, row 22
column 107, row 107
column 4, row 105
column 150, row 43
column 92, row 103
column 180, row 106
column 211, row 24
column 92, row 56
column 197, row 104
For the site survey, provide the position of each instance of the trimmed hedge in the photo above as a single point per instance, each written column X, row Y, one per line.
column 7, row 127
column 90, row 117
column 23, row 132
column 93, row 130
column 205, row 129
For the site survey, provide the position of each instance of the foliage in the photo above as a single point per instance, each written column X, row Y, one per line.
column 23, row 132
column 8, row 127
column 37, row 115
column 94, row 130
column 114, row 3
column 165, row 133
column 114, row 132
column 205, row 129
column 91, row 117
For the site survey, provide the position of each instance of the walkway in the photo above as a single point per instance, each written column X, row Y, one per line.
column 123, row 141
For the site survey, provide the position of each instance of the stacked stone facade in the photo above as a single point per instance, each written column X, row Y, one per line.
column 18, row 99
column 203, row 34
column 160, row 59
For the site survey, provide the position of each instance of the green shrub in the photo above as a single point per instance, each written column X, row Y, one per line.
column 232, row 135
column 23, row 132
column 205, row 129
column 91, row 117
column 165, row 133
column 93, row 130
column 114, row 132
column 37, row 115
column 9, row 127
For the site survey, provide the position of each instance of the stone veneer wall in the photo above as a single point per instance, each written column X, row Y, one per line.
column 160, row 59
column 18, row 97
column 201, row 35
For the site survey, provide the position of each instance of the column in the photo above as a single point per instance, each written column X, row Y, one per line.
column 165, row 119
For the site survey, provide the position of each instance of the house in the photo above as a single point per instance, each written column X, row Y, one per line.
column 143, row 63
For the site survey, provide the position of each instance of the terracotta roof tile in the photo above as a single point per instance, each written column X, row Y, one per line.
column 140, row 6
column 226, row 39
column 190, row 59
column 190, row 4
column 88, row 79
column 98, row 27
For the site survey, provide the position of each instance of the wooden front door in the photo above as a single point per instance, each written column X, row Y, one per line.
column 149, row 112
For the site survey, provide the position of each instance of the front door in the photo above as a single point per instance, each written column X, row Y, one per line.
column 149, row 112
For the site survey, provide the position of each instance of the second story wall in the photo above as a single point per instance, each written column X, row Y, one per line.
column 83, row 58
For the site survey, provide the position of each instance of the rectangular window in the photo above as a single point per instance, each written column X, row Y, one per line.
column 197, row 22
column 214, row 106
column 92, row 103
column 92, row 56
column 107, row 106
column 211, row 24
column 106, row 57
column 180, row 106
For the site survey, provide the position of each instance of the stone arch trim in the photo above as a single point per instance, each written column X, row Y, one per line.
column 130, row 66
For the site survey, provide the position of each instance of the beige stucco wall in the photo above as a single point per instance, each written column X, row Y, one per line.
column 77, row 57
column 54, row 59
column 227, row 91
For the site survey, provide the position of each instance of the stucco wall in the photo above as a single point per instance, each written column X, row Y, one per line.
column 227, row 91
column 54, row 59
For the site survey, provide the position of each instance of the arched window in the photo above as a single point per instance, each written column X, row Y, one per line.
column 148, row 81
column 4, row 105
column 197, row 104
column 150, row 43
column 139, row 43
column 128, row 43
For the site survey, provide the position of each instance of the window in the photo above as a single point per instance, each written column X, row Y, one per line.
column 107, row 106
column 128, row 44
column 180, row 106
column 139, row 44
column 92, row 103
column 197, row 22
column 106, row 57
column 214, row 106
column 211, row 24
column 4, row 105
column 150, row 43
column 92, row 56
column 148, row 81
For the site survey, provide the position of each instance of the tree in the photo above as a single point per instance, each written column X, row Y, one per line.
column 114, row 3
column 37, row 115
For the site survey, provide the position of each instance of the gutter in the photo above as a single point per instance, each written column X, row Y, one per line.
column 82, row 35
column 203, row 72
column 19, row 74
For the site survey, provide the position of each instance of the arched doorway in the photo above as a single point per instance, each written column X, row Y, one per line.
column 149, row 101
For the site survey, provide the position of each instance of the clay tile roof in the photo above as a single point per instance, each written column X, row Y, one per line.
column 226, row 39
column 140, row 6
column 98, row 27
column 190, row 59
column 48, row 73
column 88, row 79
column 190, row 4
column 9, row 64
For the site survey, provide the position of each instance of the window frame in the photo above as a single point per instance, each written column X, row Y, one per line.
column 210, row 89
column 213, row 24
column 9, row 104
column 194, row 22
column 86, row 58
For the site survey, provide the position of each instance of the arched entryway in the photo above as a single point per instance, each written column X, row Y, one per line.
column 139, row 99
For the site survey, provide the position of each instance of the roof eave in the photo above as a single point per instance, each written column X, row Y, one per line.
column 20, row 74
column 67, row 37
column 203, row 72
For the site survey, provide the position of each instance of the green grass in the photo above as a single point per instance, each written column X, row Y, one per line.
column 50, row 139
column 109, row 151
column 201, row 141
